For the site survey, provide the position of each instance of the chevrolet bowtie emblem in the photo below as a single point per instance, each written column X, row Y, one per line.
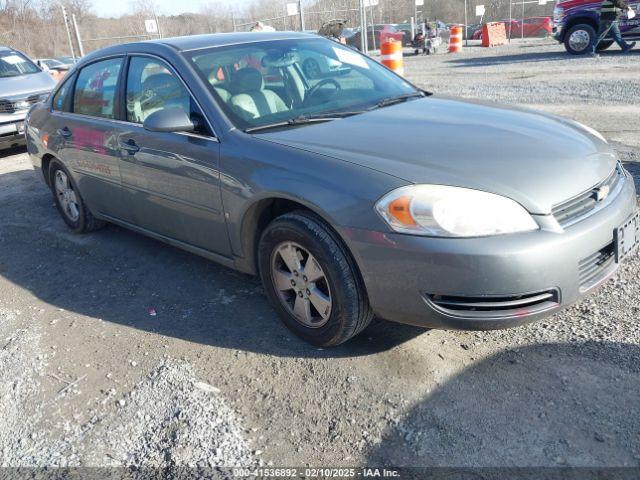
column 602, row 193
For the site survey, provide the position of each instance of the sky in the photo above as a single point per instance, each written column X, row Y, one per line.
column 115, row 8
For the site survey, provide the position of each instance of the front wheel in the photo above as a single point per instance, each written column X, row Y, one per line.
column 311, row 280
column 579, row 38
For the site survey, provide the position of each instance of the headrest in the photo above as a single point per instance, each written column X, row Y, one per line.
column 247, row 80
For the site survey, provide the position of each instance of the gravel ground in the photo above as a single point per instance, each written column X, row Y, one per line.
column 88, row 376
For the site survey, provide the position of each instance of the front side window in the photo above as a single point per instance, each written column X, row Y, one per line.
column 267, row 82
column 14, row 64
column 151, row 86
column 95, row 92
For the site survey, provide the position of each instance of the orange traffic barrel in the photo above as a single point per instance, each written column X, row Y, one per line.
column 391, row 55
column 455, row 39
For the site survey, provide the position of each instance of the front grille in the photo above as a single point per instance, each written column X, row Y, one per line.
column 496, row 306
column 592, row 269
column 572, row 210
column 12, row 106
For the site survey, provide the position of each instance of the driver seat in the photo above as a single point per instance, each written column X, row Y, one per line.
column 251, row 99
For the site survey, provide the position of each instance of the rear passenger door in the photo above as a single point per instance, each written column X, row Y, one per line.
column 171, row 179
column 85, row 130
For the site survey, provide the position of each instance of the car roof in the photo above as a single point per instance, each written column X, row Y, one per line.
column 195, row 42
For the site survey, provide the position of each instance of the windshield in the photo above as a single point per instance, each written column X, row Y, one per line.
column 51, row 63
column 264, row 83
column 13, row 64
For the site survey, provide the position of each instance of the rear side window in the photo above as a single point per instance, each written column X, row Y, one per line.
column 95, row 92
column 60, row 99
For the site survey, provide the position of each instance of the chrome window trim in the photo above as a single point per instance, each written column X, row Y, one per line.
column 125, row 57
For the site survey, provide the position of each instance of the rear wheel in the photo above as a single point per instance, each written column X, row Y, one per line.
column 311, row 280
column 579, row 39
column 603, row 45
column 69, row 202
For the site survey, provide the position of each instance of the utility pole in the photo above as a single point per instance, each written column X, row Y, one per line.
column 65, row 18
column 363, row 29
column 466, row 22
column 78, row 39
column 157, row 23
column 510, row 17
column 301, row 15
column 522, row 24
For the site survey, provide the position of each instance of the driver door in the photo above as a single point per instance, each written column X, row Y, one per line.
column 172, row 179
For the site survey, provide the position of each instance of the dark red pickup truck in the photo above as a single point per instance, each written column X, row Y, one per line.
column 575, row 23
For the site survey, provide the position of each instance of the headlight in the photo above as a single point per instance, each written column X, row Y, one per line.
column 43, row 97
column 442, row 211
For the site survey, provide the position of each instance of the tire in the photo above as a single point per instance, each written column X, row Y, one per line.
column 311, row 68
column 603, row 45
column 349, row 312
column 78, row 218
column 579, row 38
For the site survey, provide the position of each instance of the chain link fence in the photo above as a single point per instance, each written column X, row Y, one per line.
column 43, row 33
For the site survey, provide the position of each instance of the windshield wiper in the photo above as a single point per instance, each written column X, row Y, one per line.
column 295, row 121
column 385, row 102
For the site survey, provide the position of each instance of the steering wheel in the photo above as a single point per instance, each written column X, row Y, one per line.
column 316, row 88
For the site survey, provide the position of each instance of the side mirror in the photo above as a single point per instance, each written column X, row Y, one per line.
column 169, row 120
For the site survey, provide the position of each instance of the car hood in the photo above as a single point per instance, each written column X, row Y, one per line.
column 25, row 85
column 536, row 159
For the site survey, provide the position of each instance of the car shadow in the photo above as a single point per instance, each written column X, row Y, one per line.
column 122, row 277
column 546, row 405
column 8, row 152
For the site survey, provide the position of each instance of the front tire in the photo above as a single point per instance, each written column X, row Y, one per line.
column 69, row 202
column 312, row 281
column 579, row 38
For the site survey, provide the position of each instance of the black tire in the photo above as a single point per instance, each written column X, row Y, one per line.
column 350, row 310
column 603, row 45
column 85, row 221
column 581, row 29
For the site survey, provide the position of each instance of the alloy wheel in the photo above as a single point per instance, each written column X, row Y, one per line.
column 66, row 196
column 301, row 284
column 580, row 40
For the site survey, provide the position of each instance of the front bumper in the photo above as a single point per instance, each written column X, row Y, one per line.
column 406, row 275
column 12, row 129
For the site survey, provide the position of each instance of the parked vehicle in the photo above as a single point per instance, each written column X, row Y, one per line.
column 66, row 61
column 534, row 27
column 390, row 32
column 330, row 189
column 22, row 84
column 54, row 67
column 375, row 35
column 575, row 23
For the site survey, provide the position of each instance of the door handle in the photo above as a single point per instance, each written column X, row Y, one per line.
column 65, row 133
column 130, row 146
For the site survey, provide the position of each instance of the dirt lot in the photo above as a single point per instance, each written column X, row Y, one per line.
column 118, row 350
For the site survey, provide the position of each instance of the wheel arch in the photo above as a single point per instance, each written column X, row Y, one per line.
column 582, row 19
column 46, row 162
column 261, row 212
